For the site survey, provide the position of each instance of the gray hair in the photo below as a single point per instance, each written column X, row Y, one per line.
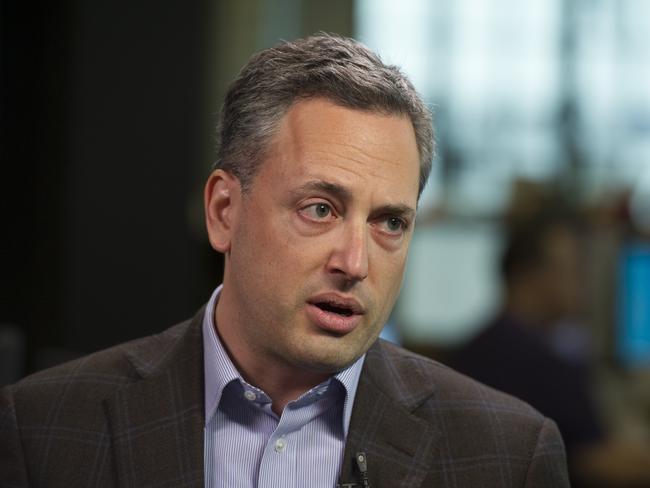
column 339, row 69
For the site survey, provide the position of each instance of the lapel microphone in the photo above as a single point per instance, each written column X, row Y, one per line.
column 361, row 460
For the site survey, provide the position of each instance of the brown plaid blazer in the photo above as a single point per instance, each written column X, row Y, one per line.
column 132, row 416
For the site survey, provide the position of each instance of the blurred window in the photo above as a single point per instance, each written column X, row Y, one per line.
column 552, row 91
column 537, row 89
column 449, row 287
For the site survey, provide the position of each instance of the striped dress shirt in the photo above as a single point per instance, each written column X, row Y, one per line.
column 247, row 445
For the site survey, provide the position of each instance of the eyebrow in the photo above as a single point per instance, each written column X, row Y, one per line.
column 344, row 194
column 399, row 210
column 334, row 189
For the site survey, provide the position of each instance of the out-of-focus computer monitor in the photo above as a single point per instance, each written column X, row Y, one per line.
column 633, row 321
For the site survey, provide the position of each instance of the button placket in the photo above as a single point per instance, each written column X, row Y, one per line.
column 278, row 463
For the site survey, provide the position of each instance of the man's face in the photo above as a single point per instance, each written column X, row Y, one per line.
column 561, row 275
column 318, row 244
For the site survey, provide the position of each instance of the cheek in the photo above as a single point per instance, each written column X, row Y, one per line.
column 389, row 265
column 275, row 252
column 254, row 250
column 388, row 275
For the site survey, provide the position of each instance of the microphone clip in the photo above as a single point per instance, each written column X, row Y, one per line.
column 361, row 460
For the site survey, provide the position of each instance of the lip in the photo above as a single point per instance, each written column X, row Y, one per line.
column 331, row 321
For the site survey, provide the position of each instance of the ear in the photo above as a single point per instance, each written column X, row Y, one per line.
column 221, row 198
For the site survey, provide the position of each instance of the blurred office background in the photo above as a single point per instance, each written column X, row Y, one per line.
column 107, row 136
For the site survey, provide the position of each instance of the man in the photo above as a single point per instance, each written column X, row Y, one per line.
column 519, row 350
column 280, row 380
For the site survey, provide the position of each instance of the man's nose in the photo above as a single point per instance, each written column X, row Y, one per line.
column 349, row 257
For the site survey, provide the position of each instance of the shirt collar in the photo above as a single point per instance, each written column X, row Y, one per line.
column 220, row 371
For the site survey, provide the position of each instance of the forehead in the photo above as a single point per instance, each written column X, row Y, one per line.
column 368, row 150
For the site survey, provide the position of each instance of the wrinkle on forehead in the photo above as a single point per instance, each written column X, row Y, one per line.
column 362, row 167
column 339, row 132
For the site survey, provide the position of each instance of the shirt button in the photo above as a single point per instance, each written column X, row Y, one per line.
column 250, row 395
column 280, row 445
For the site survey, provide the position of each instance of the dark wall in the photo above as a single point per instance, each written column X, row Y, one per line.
column 106, row 138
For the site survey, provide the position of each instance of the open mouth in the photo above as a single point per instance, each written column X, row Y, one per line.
column 334, row 313
column 333, row 308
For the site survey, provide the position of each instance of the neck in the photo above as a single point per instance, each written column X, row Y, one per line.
column 281, row 381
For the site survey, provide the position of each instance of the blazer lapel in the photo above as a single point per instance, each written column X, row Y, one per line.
column 399, row 446
column 157, row 422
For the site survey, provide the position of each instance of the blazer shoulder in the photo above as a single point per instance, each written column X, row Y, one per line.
column 450, row 386
column 78, row 409
column 442, row 396
column 483, row 435
column 97, row 375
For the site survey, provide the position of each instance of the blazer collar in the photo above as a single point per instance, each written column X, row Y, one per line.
column 398, row 444
column 157, row 422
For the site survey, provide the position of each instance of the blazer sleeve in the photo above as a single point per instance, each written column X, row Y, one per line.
column 548, row 468
column 13, row 473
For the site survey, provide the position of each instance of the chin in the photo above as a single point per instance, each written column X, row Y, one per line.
column 332, row 361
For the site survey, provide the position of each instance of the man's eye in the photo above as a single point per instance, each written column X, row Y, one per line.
column 318, row 211
column 395, row 225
